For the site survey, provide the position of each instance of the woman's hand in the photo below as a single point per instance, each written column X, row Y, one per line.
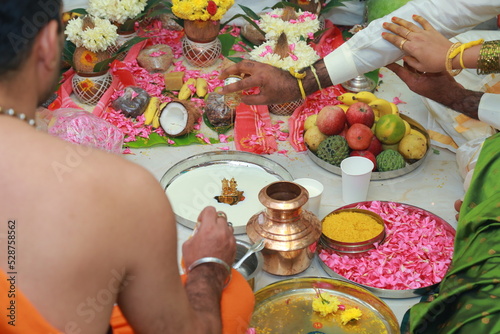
column 425, row 48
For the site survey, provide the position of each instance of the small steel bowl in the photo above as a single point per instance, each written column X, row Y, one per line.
column 252, row 265
column 353, row 247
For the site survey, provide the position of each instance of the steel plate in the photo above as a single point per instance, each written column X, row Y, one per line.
column 381, row 175
column 389, row 293
column 206, row 170
column 286, row 307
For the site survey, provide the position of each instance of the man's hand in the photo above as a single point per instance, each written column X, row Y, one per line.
column 213, row 238
column 440, row 87
column 275, row 85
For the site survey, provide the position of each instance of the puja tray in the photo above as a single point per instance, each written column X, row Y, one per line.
column 286, row 307
column 381, row 175
column 252, row 172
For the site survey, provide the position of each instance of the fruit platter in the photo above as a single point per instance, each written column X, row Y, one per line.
column 367, row 126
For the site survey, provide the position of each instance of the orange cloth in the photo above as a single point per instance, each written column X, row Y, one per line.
column 18, row 315
column 237, row 306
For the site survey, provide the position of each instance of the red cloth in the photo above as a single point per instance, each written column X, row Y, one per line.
column 250, row 130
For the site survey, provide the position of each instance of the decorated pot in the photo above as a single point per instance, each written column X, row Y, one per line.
column 201, row 31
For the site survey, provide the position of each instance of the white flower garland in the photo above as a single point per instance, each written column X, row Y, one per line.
column 117, row 11
column 97, row 39
column 304, row 26
column 301, row 55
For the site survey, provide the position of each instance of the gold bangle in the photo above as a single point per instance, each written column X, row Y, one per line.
column 313, row 70
column 461, row 50
column 488, row 61
column 448, row 61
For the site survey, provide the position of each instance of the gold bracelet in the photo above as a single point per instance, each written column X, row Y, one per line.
column 313, row 70
column 448, row 62
column 488, row 61
column 461, row 50
column 299, row 76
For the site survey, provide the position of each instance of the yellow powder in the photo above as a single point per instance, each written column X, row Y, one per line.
column 351, row 227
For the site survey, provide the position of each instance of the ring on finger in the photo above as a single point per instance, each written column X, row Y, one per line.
column 402, row 43
column 221, row 214
column 229, row 224
column 407, row 33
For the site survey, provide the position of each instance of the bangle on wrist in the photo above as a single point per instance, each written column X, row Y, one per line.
column 448, row 61
column 488, row 61
column 205, row 260
column 460, row 50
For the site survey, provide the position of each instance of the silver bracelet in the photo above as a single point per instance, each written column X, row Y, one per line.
column 204, row 260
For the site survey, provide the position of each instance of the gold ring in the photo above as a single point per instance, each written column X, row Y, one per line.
column 407, row 33
column 221, row 214
column 402, row 43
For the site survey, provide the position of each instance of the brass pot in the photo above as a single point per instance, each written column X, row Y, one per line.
column 288, row 230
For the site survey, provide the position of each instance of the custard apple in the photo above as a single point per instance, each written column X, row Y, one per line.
column 333, row 150
column 390, row 160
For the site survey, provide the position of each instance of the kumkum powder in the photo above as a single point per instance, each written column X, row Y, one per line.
column 351, row 227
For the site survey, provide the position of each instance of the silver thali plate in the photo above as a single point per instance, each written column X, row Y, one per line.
column 381, row 175
column 192, row 184
column 286, row 307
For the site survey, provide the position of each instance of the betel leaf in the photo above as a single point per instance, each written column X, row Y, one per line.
column 81, row 11
column 250, row 13
column 227, row 41
column 157, row 140
column 68, row 51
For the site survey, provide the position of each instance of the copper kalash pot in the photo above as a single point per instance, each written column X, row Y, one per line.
column 288, row 231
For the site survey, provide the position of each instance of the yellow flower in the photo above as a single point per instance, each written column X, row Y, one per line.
column 197, row 9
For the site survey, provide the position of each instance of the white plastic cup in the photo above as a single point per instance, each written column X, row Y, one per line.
column 315, row 190
column 356, row 174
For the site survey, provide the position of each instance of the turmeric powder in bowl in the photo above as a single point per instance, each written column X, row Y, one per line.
column 352, row 226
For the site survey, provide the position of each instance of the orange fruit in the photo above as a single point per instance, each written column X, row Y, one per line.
column 390, row 129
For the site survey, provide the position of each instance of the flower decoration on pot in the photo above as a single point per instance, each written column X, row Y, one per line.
column 201, row 26
column 292, row 54
column 92, row 37
column 123, row 14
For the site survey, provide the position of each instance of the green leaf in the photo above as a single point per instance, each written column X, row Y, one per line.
column 250, row 13
column 127, row 45
column 68, row 51
column 227, row 42
column 235, row 59
column 157, row 140
column 103, row 65
column 81, row 11
column 331, row 4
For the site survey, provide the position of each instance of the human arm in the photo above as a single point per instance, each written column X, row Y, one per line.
column 425, row 48
column 154, row 299
column 364, row 52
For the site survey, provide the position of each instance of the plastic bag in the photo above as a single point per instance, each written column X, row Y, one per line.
column 84, row 128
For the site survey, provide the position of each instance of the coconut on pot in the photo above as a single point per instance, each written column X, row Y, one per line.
column 178, row 117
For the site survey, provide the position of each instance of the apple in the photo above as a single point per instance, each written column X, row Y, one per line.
column 375, row 146
column 360, row 112
column 359, row 136
column 331, row 120
column 366, row 154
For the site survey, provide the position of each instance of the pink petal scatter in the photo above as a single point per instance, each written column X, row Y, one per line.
column 396, row 100
column 129, row 127
column 224, row 148
column 416, row 253
column 223, row 138
column 157, row 54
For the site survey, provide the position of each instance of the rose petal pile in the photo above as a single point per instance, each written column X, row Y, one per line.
column 416, row 253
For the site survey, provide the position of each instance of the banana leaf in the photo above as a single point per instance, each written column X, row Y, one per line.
column 218, row 129
column 157, row 140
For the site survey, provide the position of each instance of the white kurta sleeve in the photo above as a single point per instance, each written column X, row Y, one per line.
column 367, row 50
column 489, row 110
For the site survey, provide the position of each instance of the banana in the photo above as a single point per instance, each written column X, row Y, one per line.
column 151, row 110
column 407, row 128
column 395, row 109
column 347, row 98
column 365, row 96
column 185, row 92
column 201, row 87
column 383, row 107
column 343, row 106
